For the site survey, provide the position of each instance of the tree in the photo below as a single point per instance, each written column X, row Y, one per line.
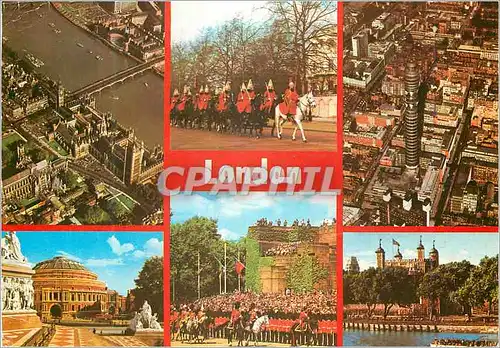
column 307, row 23
column 149, row 285
column 482, row 286
column 364, row 290
column 434, row 285
column 94, row 215
column 304, row 273
column 199, row 235
column 394, row 286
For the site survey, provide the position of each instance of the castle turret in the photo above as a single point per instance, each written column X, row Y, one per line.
column 434, row 255
column 420, row 250
column 380, row 255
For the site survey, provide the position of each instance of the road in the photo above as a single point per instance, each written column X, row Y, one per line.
column 191, row 139
column 147, row 207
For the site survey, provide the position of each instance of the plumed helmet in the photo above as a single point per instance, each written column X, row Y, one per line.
column 270, row 84
column 201, row 89
column 206, row 89
column 243, row 87
column 186, row 90
column 176, row 92
column 291, row 84
column 250, row 85
column 228, row 86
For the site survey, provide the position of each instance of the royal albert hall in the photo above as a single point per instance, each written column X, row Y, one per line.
column 66, row 289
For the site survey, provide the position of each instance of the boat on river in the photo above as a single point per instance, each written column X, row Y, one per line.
column 99, row 57
column 452, row 343
column 79, row 44
column 34, row 60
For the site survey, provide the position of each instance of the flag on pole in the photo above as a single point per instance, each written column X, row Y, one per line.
column 239, row 267
column 395, row 242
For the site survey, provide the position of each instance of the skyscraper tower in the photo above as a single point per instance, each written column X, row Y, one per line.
column 412, row 138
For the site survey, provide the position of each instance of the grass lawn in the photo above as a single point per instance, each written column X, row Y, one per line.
column 55, row 145
column 12, row 138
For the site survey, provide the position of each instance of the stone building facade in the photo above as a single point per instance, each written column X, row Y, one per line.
column 66, row 289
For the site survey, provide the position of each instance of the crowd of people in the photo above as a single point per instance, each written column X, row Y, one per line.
column 282, row 249
column 276, row 305
column 463, row 343
column 284, row 223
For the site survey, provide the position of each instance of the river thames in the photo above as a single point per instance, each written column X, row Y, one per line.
column 404, row 338
column 43, row 32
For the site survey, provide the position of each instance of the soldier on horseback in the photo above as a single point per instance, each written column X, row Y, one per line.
column 235, row 320
column 202, row 104
column 183, row 103
column 269, row 98
column 173, row 104
column 225, row 100
column 290, row 99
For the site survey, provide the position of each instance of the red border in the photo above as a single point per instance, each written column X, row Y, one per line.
column 423, row 229
column 340, row 199
column 166, row 200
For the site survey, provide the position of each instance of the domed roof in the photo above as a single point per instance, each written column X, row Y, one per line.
column 60, row 262
column 433, row 250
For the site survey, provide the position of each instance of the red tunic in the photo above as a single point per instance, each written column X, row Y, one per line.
column 269, row 98
column 302, row 318
column 173, row 102
column 203, row 101
column 235, row 316
column 223, row 102
column 243, row 103
column 289, row 105
column 182, row 105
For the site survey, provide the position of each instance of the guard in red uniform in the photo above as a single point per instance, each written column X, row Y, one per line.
column 203, row 99
column 303, row 318
column 182, row 103
column 224, row 98
column 269, row 98
column 235, row 319
column 251, row 91
column 243, row 103
column 290, row 100
column 175, row 99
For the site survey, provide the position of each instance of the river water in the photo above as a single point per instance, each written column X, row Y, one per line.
column 137, row 103
column 404, row 338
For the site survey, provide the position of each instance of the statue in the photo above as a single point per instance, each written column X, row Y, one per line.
column 144, row 320
column 11, row 248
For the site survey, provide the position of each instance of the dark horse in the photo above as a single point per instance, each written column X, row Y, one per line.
column 306, row 333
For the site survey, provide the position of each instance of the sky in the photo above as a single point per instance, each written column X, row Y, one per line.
column 190, row 17
column 451, row 246
column 236, row 213
column 116, row 257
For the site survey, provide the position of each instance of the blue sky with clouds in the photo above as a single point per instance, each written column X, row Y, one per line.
column 190, row 17
column 451, row 246
column 236, row 213
column 116, row 257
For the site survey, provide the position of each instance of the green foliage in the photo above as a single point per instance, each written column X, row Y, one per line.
column 482, row 285
column 252, row 275
column 388, row 286
column 94, row 215
column 304, row 273
column 149, row 285
column 187, row 239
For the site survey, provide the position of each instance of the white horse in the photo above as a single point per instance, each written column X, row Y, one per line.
column 306, row 102
column 257, row 328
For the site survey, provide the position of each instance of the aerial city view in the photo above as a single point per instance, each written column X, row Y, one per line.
column 80, row 144
column 57, row 293
column 253, row 269
column 438, row 290
column 246, row 77
column 420, row 97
